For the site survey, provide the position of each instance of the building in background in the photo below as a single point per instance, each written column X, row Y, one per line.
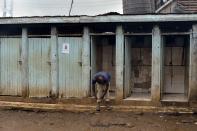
column 176, row 6
column 159, row 6
column 138, row 6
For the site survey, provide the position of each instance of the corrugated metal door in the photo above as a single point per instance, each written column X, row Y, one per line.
column 70, row 67
column 174, row 79
column 10, row 77
column 39, row 67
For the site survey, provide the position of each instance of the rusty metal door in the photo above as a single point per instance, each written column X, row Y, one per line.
column 70, row 67
column 39, row 67
column 10, row 78
column 174, row 78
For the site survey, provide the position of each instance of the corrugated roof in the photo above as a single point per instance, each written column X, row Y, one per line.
column 188, row 5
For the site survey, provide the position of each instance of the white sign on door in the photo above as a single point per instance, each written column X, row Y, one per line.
column 65, row 48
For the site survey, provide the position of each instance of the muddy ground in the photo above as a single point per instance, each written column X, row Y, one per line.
column 15, row 120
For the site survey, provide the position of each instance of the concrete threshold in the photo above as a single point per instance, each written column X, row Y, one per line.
column 85, row 108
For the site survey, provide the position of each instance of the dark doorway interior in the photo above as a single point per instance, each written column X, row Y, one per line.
column 103, row 57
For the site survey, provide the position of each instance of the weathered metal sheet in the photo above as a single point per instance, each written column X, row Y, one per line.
column 70, row 67
column 127, row 70
column 174, row 79
column 93, row 57
column 39, row 67
column 10, row 77
column 175, row 70
column 141, row 68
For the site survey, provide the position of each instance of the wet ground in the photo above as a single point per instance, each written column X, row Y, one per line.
column 14, row 120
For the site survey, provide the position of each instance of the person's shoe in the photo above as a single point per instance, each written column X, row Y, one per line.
column 98, row 108
column 107, row 100
column 98, row 100
column 109, row 108
column 93, row 97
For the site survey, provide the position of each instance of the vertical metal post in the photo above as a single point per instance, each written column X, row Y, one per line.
column 157, row 64
column 24, row 59
column 86, row 62
column 54, row 64
column 193, row 65
column 119, row 62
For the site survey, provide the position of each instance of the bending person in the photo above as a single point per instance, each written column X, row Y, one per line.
column 100, row 87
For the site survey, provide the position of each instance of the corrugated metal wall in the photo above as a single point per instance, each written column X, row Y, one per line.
column 10, row 77
column 70, row 67
column 39, row 67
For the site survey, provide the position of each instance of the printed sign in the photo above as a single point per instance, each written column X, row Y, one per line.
column 65, row 48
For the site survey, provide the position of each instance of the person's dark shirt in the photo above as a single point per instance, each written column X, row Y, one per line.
column 106, row 77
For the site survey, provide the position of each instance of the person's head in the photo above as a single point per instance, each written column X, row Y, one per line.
column 100, row 80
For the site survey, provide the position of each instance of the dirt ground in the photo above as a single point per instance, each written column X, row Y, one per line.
column 15, row 120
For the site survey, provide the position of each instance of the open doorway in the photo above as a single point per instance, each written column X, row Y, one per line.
column 176, row 67
column 103, row 57
column 138, row 64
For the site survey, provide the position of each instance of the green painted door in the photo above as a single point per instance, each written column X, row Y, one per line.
column 39, row 67
column 70, row 67
column 10, row 74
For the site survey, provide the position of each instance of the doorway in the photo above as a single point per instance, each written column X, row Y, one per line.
column 138, row 64
column 103, row 57
column 176, row 67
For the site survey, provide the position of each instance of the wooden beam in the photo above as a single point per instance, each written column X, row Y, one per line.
column 193, row 65
column 86, row 62
column 119, row 63
column 54, row 64
column 157, row 62
column 24, row 65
